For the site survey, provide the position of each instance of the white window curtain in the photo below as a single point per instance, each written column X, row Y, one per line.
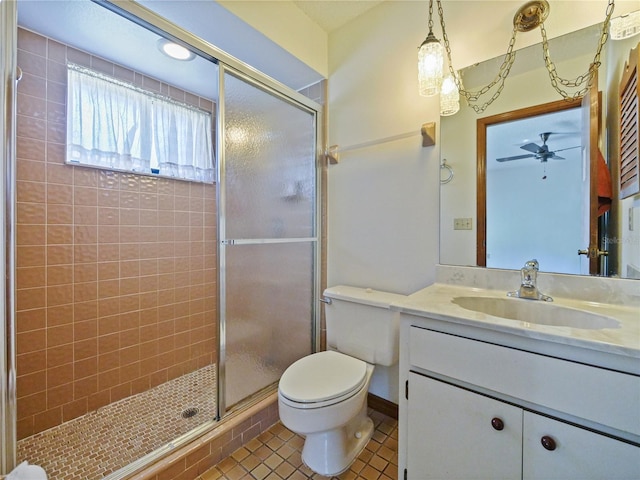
column 111, row 124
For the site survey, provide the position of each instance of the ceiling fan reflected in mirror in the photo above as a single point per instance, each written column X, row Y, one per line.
column 540, row 152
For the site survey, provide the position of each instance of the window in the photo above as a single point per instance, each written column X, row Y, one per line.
column 115, row 125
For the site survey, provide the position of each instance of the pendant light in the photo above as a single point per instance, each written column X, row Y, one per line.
column 449, row 97
column 530, row 16
column 430, row 62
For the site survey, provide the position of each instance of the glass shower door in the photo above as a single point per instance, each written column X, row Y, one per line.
column 268, row 236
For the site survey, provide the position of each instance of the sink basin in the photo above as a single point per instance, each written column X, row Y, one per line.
column 536, row 312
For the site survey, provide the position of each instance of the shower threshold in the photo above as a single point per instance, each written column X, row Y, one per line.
column 110, row 438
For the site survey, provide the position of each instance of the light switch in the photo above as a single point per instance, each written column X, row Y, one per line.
column 462, row 223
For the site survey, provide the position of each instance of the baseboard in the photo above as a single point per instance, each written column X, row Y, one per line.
column 382, row 405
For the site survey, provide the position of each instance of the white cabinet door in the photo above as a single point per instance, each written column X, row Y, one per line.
column 574, row 453
column 451, row 436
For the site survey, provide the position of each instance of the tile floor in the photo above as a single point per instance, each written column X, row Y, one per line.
column 276, row 455
column 101, row 442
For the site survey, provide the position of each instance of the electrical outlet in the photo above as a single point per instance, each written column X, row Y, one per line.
column 462, row 223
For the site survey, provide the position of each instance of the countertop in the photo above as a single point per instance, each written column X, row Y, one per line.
column 617, row 348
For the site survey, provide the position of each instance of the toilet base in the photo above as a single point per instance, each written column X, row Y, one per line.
column 332, row 452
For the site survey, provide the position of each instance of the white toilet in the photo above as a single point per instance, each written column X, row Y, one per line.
column 323, row 396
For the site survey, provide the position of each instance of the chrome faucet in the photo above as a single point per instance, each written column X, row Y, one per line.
column 528, row 284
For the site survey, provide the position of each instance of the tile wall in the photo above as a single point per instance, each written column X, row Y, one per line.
column 116, row 272
column 197, row 457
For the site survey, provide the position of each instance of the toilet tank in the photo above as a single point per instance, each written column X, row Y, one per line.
column 361, row 324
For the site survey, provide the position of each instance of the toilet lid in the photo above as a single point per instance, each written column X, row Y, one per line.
column 322, row 376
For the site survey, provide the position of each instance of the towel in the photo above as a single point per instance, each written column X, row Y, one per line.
column 24, row 471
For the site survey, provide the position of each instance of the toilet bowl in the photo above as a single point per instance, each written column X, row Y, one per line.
column 323, row 396
column 334, row 417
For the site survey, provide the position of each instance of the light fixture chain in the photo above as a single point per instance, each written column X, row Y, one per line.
column 557, row 82
column 587, row 77
column 503, row 71
column 430, row 16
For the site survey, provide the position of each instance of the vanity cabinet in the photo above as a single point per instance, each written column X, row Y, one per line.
column 451, row 434
column 476, row 410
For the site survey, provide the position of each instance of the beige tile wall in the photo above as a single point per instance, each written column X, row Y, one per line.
column 116, row 272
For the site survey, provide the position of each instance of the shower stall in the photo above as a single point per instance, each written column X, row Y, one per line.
column 141, row 308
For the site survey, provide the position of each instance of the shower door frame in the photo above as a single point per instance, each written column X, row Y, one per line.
column 145, row 17
column 314, row 109
column 8, row 397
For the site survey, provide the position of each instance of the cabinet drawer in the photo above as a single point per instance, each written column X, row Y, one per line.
column 595, row 394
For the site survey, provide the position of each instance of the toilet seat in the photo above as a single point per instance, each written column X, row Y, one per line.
column 322, row 379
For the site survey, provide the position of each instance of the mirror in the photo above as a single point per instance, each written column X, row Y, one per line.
column 520, row 184
column 528, row 86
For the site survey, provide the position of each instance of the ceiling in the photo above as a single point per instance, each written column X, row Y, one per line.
column 331, row 15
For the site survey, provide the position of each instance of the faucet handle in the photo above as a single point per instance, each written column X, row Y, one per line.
column 532, row 264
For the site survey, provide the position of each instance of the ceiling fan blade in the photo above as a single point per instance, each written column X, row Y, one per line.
column 565, row 133
column 517, row 157
column 556, row 157
column 568, row 148
column 532, row 147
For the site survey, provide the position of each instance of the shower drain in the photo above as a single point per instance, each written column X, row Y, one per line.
column 190, row 412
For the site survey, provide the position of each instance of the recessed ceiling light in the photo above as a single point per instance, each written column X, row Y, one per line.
column 175, row 51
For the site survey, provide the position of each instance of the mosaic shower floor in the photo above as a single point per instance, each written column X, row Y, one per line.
column 101, row 442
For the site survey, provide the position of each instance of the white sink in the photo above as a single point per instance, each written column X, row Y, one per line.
column 536, row 312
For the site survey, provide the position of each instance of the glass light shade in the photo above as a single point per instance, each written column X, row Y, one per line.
column 430, row 66
column 449, row 97
column 625, row 26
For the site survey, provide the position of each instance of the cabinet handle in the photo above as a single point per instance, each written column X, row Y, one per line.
column 548, row 443
column 497, row 423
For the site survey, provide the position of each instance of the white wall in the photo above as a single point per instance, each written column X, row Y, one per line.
column 287, row 26
column 382, row 200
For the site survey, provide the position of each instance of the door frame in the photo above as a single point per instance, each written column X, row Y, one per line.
column 8, row 375
column 481, row 154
